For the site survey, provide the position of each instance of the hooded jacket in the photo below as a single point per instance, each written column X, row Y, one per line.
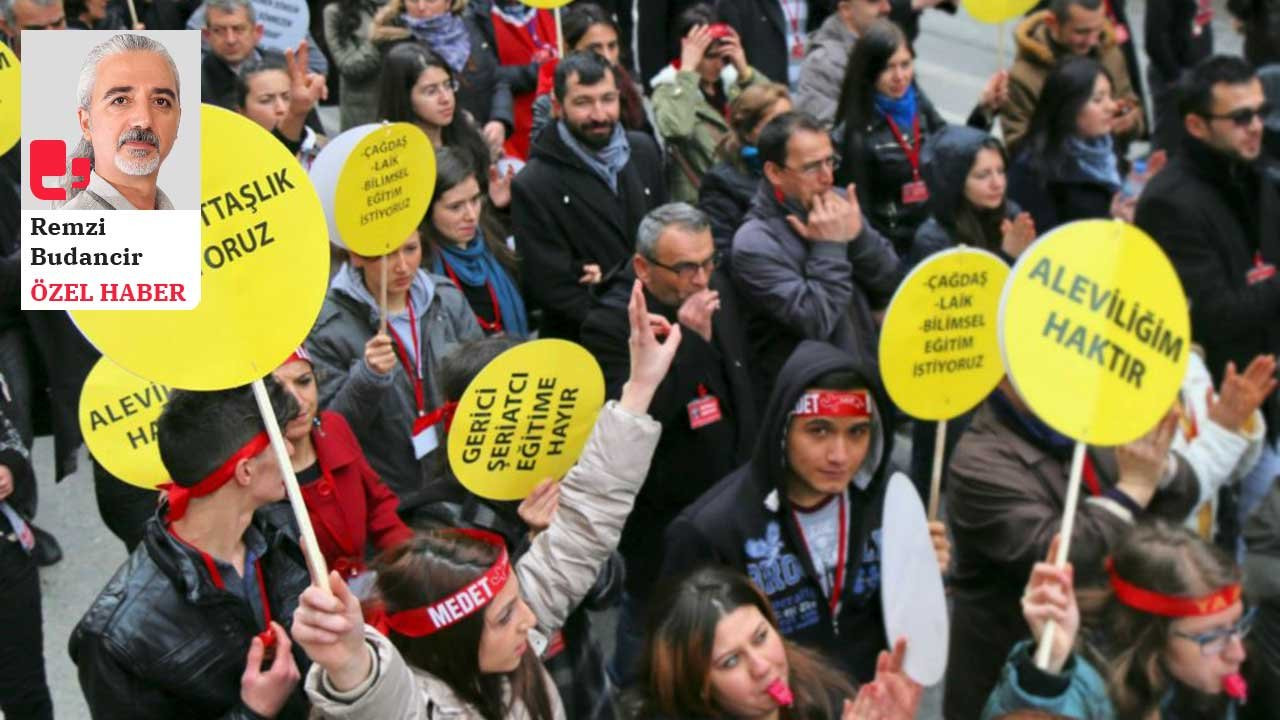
column 1037, row 55
column 746, row 522
column 822, row 74
column 794, row 289
column 947, row 160
column 690, row 126
column 381, row 408
column 563, row 215
column 161, row 641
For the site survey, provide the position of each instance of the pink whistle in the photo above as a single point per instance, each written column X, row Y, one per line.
column 1235, row 687
column 780, row 693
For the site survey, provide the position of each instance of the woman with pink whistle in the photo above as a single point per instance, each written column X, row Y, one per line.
column 713, row 650
column 1171, row 644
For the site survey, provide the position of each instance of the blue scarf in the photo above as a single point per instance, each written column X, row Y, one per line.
column 446, row 34
column 902, row 110
column 751, row 159
column 475, row 266
column 1091, row 160
column 1031, row 428
column 609, row 161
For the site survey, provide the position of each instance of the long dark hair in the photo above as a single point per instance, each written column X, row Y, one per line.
column 675, row 671
column 428, row 568
column 980, row 226
column 1065, row 93
column 402, row 67
column 452, row 169
column 579, row 18
column 1169, row 560
column 868, row 60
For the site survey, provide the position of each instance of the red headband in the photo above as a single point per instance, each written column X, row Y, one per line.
column 179, row 496
column 468, row 600
column 299, row 354
column 1170, row 605
column 833, row 403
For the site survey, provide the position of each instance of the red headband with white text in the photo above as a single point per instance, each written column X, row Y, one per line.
column 833, row 403
column 468, row 600
column 1171, row 605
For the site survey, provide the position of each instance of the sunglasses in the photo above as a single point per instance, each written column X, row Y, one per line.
column 1244, row 116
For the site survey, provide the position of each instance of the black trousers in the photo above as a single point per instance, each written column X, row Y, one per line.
column 24, row 691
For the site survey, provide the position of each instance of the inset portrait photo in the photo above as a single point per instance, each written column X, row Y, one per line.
column 111, row 120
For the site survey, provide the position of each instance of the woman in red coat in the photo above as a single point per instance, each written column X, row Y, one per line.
column 348, row 504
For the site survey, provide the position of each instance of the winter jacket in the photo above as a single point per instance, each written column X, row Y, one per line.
column 554, row 575
column 563, row 216
column 1174, row 41
column 1005, row 495
column 873, row 159
column 946, row 163
column 381, row 408
column 747, row 523
column 822, row 75
column 1261, row 20
column 355, row 509
column 162, row 641
column 1037, row 55
column 1218, row 456
column 1053, row 201
column 486, row 88
column 688, row 461
column 725, row 196
column 578, row 670
column 1217, row 220
column 691, row 129
column 1079, row 691
column 762, row 26
column 359, row 64
column 656, row 37
column 797, row 290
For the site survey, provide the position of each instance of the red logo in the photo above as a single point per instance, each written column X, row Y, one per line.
column 49, row 159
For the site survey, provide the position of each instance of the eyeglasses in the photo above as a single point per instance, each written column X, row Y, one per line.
column 689, row 270
column 433, row 91
column 811, row 169
column 1244, row 116
column 1215, row 641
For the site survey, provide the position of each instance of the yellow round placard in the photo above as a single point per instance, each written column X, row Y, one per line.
column 939, row 349
column 10, row 99
column 525, row 418
column 998, row 11
column 264, row 270
column 376, row 182
column 118, row 413
column 1095, row 331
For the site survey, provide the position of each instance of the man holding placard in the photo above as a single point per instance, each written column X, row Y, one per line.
column 808, row 264
column 192, row 625
column 803, row 518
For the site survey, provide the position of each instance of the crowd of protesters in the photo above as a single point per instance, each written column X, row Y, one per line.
column 719, row 212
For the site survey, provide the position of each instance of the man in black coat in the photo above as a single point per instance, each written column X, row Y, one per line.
column 576, row 205
column 705, row 404
column 1216, row 213
column 192, row 625
column 774, row 32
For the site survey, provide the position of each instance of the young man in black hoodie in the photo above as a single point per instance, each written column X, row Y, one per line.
column 803, row 517
column 193, row 624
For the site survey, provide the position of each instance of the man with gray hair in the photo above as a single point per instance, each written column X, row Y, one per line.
column 706, row 403
column 232, row 35
column 19, row 15
column 129, row 111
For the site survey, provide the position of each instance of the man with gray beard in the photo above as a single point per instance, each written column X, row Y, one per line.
column 129, row 112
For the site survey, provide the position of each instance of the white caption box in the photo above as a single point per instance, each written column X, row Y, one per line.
column 112, row 260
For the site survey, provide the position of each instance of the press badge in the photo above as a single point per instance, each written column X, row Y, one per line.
column 425, row 437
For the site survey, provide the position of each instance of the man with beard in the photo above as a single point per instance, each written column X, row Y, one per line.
column 577, row 204
column 129, row 112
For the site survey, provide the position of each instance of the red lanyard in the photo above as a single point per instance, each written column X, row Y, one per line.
column 793, row 16
column 912, row 151
column 842, row 552
column 268, row 638
column 415, row 377
column 489, row 327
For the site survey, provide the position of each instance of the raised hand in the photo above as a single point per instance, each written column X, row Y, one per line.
column 650, row 359
column 693, row 47
column 941, row 545
column 891, row 695
column 695, row 312
column 996, row 92
column 1242, row 394
column 379, row 354
column 1142, row 462
column 330, row 628
column 1017, row 234
column 1051, row 596
column 500, row 186
column 831, row 219
column 538, row 509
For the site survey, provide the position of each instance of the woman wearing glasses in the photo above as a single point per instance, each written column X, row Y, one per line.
column 1170, row 629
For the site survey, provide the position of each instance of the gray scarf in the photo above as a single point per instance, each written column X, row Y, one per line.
column 1091, row 160
column 609, row 162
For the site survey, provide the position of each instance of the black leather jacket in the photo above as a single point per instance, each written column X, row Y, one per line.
column 162, row 641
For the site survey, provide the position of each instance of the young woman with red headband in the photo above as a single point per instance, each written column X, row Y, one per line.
column 348, row 504
column 458, row 614
column 1173, row 624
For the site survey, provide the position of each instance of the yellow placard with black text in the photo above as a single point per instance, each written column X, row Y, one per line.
column 118, row 413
